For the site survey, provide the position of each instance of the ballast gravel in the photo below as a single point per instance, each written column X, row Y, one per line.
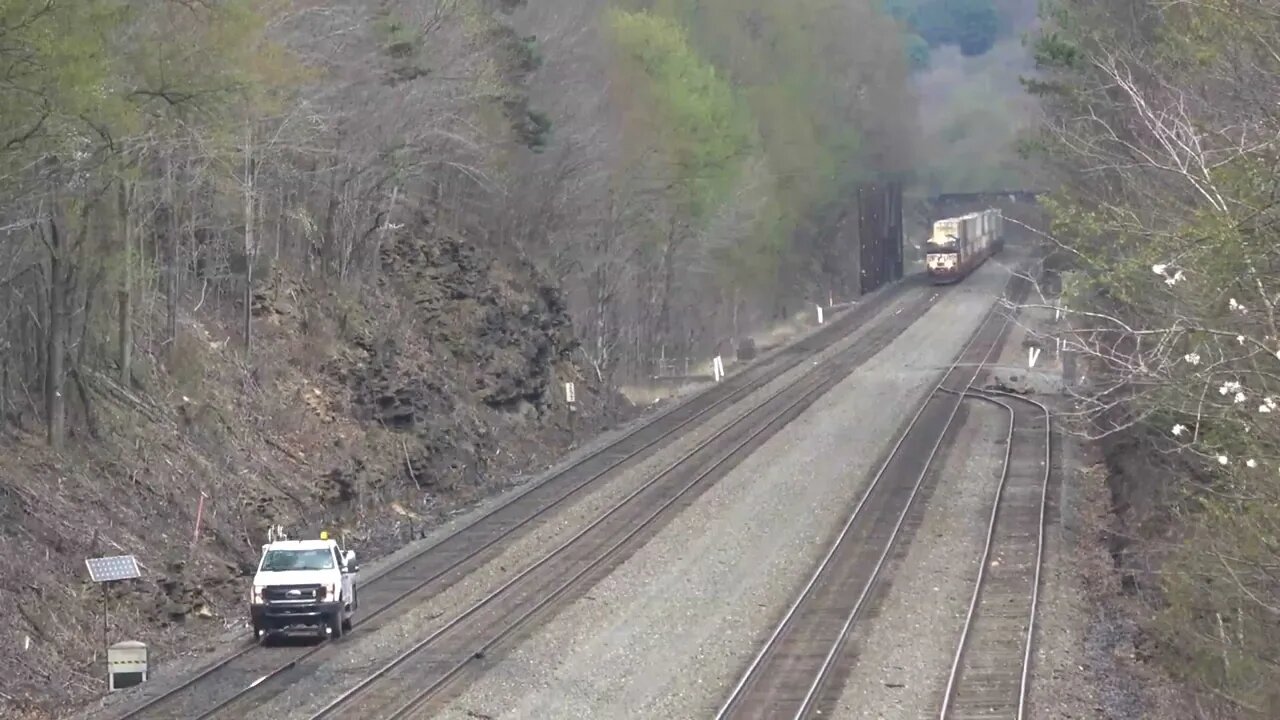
column 666, row 634
column 904, row 653
column 176, row 670
column 364, row 651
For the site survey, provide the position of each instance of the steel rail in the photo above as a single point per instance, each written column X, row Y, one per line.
column 821, row 376
column 395, row 602
column 825, row 669
column 749, row 673
column 986, row 550
column 961, row 645
column 363, row 619
column 775, row 364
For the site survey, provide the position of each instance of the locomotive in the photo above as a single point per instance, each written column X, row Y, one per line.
column 960, row 244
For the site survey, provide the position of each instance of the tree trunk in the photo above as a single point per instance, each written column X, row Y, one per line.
column 55, row 406
column 668, row 282
column 126, row 291
column 737, row 330
column 250, row 245
column 329, row 231
column 37, row 337
column 4, row 373
column 31, row 334
column 170, row 266
column 386, row 227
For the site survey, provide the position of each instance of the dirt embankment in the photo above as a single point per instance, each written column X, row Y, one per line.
column 372, row 413
column 1127, row 531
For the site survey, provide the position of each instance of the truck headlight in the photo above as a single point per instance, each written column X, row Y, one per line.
column 255, row 595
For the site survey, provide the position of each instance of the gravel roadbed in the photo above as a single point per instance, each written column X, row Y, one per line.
column 365, row 651
column 172, row 673
column 904, row 652
column 666, row 634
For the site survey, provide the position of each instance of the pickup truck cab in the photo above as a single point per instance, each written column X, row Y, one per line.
column 304, row 584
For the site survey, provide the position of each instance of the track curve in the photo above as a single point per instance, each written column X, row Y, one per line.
column 799, row 670
column 990, row 672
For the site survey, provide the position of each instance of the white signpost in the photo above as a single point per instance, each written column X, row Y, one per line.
column 819, row 313
column 717, row 368
column 1033, row 354
column 571, row 397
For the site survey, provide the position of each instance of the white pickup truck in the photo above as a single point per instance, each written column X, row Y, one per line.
column 304, row 584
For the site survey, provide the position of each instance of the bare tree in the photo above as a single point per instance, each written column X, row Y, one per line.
column 1168, row 221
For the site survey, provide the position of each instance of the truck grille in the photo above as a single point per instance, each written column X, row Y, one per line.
column 293, row 593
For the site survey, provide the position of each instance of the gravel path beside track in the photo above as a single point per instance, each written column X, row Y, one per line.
column 667, row 632
column 905, row 650
column 1066, row 686
column 363, row 652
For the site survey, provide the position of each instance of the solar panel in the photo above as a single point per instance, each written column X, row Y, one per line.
column 108, row 569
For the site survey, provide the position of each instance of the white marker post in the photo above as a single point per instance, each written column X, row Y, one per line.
column 819, row 313
column 195, row 533
column 717, row 368
column 1033, row 354
column 571, row 397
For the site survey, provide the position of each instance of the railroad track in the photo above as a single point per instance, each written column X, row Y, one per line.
column 990, row 672
column 801, row 668
column 408, row 685
column 253, row 675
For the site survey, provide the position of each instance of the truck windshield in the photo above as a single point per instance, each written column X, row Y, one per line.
column 282, row 560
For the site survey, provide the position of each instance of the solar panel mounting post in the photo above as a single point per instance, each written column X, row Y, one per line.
column 104, row 631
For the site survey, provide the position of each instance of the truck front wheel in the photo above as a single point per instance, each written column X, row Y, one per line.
column 261, row 634
column 336, row 624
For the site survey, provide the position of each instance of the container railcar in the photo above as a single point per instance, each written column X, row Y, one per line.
column 960, row 244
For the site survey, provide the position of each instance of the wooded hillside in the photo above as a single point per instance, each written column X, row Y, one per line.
column 328, row 262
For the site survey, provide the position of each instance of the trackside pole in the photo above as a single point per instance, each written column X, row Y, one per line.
column 571, row 397
column 104, row 633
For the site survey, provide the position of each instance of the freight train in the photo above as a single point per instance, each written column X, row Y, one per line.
column 960, row 244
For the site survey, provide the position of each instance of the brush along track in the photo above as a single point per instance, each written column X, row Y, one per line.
column 801, row 667
column 253, row 674
column 991, row 669
column 406, row 686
